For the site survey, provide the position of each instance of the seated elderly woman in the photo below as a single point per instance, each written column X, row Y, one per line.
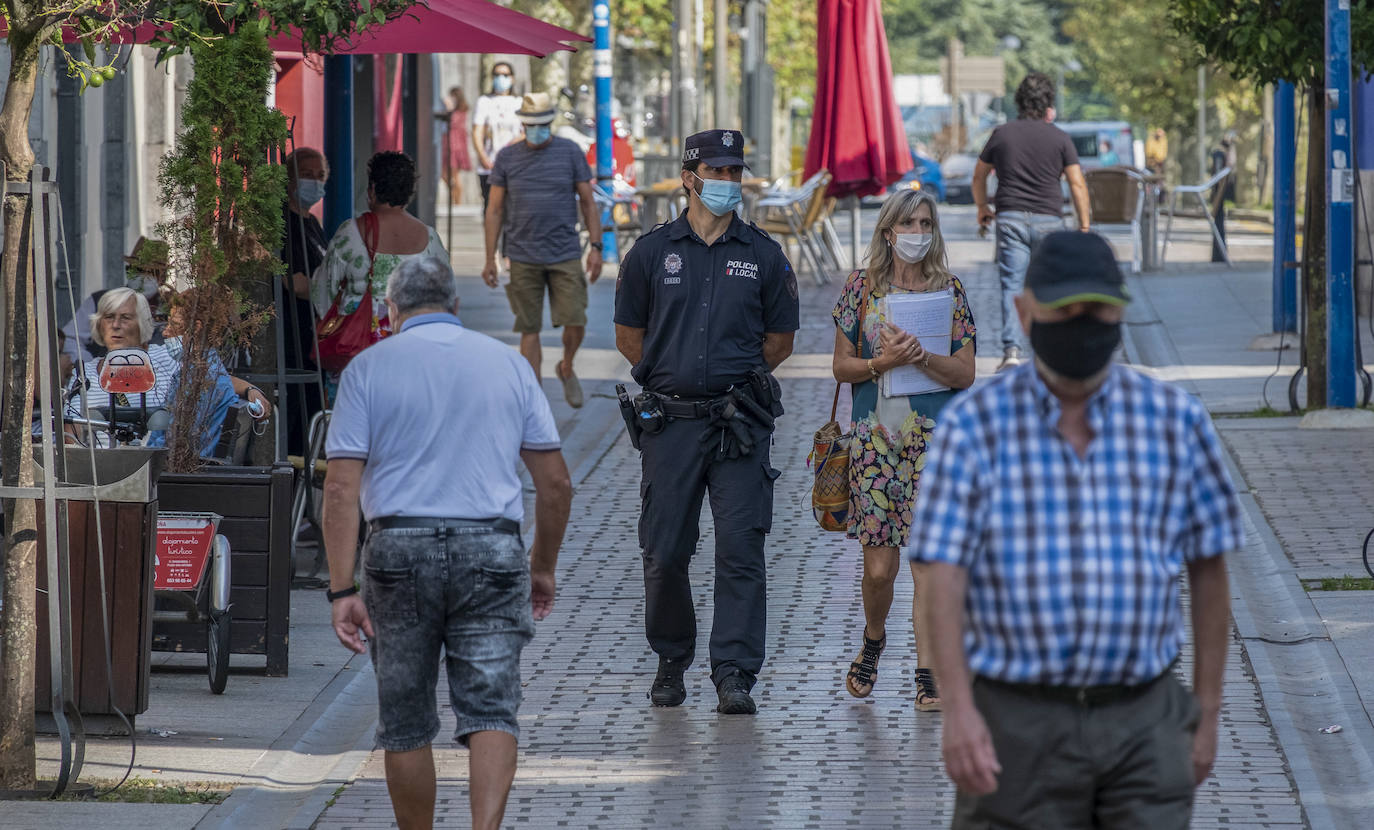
column 123, row 320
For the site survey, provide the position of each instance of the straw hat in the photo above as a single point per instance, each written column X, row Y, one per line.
column 536, row 108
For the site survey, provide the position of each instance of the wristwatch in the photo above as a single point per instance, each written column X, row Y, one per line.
column 597, row 245
column 346, row 592
column 871, row 370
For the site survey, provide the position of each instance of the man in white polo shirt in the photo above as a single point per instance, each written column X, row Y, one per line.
column 427, row 431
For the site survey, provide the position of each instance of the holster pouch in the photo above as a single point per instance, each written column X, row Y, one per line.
column 649, row 408
column 767, row 391
column 627, row 411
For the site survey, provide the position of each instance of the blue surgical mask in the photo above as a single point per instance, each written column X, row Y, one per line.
column 502, row 83
column 719, row 197
column 538, row 133
column 309, row 191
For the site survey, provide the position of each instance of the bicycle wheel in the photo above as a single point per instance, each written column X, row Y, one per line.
column 217, row 650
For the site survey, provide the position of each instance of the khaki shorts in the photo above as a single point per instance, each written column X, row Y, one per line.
column 567, row 287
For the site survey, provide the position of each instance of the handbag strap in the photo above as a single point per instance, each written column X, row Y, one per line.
column 371, row 234
column 863, row 309
column 370, row 229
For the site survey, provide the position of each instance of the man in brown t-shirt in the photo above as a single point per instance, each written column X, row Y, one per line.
column 1029, row 155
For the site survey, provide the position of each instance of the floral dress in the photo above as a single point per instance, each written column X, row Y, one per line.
column 345, row 267
column 344, row 274
column 888, row 451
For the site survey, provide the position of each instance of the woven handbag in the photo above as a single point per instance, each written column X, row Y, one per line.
column 829, row 460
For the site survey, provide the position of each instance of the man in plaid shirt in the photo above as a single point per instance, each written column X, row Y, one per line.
column 1060, row 504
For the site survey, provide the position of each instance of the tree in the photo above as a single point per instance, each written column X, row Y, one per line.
column 182, row 25
column 1271, row 42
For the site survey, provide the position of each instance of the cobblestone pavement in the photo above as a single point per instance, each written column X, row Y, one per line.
column 594, row 753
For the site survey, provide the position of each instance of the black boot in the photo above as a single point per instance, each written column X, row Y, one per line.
column 733, row 691
column 668, row 688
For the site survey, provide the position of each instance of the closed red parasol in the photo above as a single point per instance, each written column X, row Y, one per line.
column 856, row 131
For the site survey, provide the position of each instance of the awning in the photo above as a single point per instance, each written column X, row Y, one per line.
column 455, row 26
column 436, row 27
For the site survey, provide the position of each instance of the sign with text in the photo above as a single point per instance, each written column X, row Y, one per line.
column 184, row 543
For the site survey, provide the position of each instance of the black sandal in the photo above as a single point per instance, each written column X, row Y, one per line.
column 865, row 669
column 927, row 694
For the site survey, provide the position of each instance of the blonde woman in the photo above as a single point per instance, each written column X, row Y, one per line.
column 906, row 254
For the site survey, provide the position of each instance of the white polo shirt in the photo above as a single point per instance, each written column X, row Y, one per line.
column 440, row 414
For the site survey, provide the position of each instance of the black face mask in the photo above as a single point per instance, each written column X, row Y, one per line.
column 1076, row 348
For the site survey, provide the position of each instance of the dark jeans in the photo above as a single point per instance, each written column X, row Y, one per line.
column 676, row 476
column 1018, row 232
column 1068, row 765
column 465, row 591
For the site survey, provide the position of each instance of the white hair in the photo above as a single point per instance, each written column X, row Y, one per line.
column 424, row 282
column 115, row 299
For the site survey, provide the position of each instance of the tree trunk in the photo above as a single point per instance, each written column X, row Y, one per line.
column 1314, row 251
column 17, row 620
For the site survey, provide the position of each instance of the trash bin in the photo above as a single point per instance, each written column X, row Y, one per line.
column 127, row 489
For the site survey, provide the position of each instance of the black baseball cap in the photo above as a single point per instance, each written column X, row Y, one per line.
column 718, row 148
column 1075, row 267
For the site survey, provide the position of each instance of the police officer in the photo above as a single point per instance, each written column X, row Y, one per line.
column 705, row 307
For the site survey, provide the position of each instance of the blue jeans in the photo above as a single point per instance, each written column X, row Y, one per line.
column 1018, row 232
column 465, row 590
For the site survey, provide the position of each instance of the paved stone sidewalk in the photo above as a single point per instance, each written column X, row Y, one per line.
column 594, row 753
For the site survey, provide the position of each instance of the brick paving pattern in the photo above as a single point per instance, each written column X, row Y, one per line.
column 1320, row 512
column 595, row 754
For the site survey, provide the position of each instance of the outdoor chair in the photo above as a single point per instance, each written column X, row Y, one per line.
column 1177, row 195
column 798, row 215
column 1116, row 196
column 625, row 217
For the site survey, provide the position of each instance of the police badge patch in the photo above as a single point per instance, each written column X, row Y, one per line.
column 672, row 263
column 728, row 139
column 790, row 280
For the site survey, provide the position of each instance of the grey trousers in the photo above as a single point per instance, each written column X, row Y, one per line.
column 1066, row 765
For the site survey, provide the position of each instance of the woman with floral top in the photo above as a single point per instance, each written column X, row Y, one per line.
column 906, row 254
column 400, row 237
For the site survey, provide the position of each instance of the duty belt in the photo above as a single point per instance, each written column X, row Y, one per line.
column 499, row 524
column 685, row 407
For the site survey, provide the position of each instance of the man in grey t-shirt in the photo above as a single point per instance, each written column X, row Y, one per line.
column 1029, row 155
column 537, row 187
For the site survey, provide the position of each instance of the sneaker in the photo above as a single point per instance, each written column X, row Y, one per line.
column 1011, row 358
column 668, row 689
column 733, row 692
column 572, row 387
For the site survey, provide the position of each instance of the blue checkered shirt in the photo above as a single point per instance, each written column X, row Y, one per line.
column 1073, row 563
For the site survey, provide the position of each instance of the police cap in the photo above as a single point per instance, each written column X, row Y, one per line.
column 717, row 148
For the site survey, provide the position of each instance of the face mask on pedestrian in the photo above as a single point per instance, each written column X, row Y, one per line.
column 912, row 247
column 719, row 197
column 502, row 83
column 309, row 191
column 537, row 134
column 1076, row 348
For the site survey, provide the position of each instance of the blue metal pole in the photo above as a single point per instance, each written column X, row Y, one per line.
column 605, row 174
column 1340, row 215
column 1285, row 210
column 338, row 142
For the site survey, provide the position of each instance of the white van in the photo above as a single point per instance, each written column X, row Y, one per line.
column 1088, row 137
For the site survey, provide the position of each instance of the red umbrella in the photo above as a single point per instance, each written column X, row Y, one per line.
column 856, row 131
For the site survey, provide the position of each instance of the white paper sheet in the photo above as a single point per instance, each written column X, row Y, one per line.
column 929, row 316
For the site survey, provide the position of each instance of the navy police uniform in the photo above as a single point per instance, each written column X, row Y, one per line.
column 705, row 310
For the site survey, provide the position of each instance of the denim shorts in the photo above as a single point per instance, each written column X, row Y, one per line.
column 466, row 590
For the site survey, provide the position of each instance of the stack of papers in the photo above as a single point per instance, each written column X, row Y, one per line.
column 930, row 318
